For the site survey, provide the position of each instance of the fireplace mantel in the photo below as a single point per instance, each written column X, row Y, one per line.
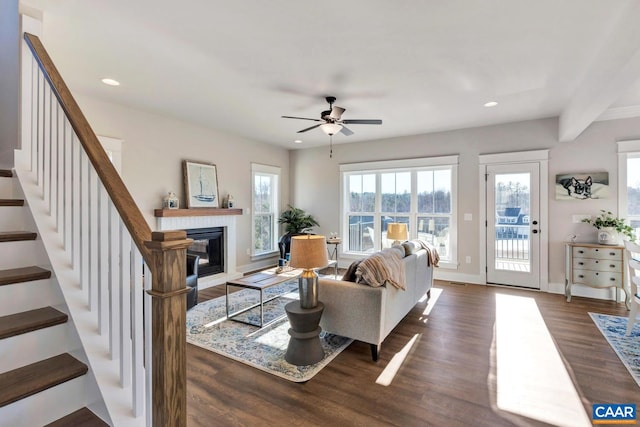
column 158, row 213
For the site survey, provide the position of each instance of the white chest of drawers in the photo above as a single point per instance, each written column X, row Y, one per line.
column 597, row 266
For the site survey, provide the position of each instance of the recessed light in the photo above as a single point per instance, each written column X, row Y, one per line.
column 491, row 104
column 111, row 82
column 297, row 141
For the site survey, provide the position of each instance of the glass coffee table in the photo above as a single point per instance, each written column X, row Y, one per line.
column 258, row 282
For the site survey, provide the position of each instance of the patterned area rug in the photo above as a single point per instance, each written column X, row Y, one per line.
column 627, row 348
column 209, row 328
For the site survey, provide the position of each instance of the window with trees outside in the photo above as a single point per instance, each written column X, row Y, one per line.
column 417, row 192
column 265, row 202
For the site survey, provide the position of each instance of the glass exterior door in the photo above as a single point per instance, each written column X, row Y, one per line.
column 513, row 225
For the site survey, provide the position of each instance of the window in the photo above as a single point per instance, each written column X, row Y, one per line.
column 633, row 192
column 629, row 183
column 417, row 192
column 265, row 201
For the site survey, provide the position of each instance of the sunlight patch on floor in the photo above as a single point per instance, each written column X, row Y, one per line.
column 215, row 322
column 275, row 338
column 390, row 371
column 532, row 380
column 435, row 294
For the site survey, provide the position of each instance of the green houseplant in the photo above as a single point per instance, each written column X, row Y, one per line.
column 297, row 221
column 606, row 220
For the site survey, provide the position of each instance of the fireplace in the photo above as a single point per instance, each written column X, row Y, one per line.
column 192, row 220
column 208, row 243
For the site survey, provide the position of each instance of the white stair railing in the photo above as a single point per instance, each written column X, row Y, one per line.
column 104, row 263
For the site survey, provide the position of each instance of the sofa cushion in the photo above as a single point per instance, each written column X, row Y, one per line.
column 382, row 267
column 350, row 274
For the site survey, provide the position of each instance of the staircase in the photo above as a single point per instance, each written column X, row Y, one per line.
column 91, row 301
column 43, row 377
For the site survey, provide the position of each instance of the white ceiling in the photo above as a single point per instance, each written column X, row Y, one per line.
column 419, row 65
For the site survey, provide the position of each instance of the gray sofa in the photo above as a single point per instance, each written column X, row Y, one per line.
column 369, row 314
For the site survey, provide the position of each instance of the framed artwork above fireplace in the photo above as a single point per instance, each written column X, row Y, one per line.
column 200, row 184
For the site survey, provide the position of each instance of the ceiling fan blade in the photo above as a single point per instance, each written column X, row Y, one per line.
column 309, row 128
column 346, row 131
column 336, row 112
column 301, row 118
column 362, row 122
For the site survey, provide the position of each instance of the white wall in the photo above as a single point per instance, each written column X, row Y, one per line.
column 316, row 186
column 154, row 147
column 9, row 81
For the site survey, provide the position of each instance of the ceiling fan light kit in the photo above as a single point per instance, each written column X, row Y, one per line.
column 331, row 128
column 331, row 121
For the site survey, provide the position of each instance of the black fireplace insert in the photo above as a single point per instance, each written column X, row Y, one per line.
column 209, row 244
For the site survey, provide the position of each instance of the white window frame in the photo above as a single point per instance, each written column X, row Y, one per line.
column 275, row 172
column 412, row 165
column 626, row 150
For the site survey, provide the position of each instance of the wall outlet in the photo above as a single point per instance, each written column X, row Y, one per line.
column 468, row 217
column 467, row 259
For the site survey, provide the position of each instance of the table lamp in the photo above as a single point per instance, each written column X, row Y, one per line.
column 308, row 252
column 396, row 231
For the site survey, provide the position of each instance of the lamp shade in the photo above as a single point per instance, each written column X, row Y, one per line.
column 331, row 128
column 397, row 231
column 308, row 252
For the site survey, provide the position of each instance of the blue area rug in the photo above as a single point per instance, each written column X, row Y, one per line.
column 209, row 328
column 627, row 348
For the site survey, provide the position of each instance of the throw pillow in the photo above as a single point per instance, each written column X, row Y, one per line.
column 350, row 274
column 411, row 247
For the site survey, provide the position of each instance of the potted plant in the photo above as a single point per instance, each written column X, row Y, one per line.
column 297, row 221
column 610, row 228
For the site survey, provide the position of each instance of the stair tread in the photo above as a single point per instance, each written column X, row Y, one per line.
column 27, row 321
column 14, row 236
column 83, row 417
column 23, row 274
column 36, row 377
column 6, row 173
column 11, row 202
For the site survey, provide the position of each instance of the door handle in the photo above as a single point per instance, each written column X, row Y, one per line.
column 534, row 231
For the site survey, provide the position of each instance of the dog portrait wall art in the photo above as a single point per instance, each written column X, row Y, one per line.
column 582, row 186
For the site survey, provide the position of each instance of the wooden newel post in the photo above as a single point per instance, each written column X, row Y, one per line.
column 168, row 309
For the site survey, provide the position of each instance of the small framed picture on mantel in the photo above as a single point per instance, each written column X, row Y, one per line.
column 200, row 184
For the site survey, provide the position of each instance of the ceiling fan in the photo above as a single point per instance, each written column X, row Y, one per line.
column 331, row 121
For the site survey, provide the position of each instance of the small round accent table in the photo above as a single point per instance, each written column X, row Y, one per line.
column 304, row 345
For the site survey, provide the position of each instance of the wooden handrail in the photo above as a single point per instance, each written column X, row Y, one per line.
column 122, row 200
column 164, row 253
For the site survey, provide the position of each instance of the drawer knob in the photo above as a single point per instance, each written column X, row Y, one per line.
column 613, row 279
column 580, row 252
column 612, row 266
column 612, row 253
column 597, row 273
column 581, row 263
column 580, row 276
column 597, row 262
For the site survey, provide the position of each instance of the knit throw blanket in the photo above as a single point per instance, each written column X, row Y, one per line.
column 382, row 267
column 433, row 257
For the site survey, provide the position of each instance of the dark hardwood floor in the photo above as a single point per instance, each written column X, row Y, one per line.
column 446, row 379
